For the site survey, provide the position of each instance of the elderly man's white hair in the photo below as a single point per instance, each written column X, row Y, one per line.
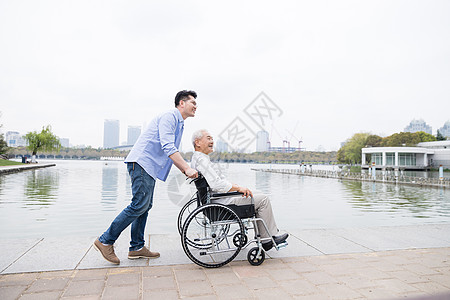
column 198, row 135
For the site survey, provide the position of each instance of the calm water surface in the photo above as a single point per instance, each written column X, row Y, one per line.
column 83, row 197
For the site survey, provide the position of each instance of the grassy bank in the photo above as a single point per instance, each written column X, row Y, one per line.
column 5, row 162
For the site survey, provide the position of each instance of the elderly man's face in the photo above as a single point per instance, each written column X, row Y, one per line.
column 205, row 144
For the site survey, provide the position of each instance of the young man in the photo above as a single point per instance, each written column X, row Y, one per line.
column 203, row 145
column 150, row 158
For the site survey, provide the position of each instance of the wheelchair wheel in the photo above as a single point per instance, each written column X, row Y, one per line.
column 253, row 258
column 208, row 234
column 189, row 207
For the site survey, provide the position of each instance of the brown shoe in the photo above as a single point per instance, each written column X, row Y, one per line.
column 107, row 252
column 143, row 253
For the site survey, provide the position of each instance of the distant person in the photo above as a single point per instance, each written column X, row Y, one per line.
column 203, row 145
column 150, row 158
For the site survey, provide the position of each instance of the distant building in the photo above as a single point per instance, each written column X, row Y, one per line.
column 221, row 146
column 418, row 125
column 111, row 133
column 133, row 133
column 262, row 141
column 15, row 139
column 64, row 142
column 445, row 130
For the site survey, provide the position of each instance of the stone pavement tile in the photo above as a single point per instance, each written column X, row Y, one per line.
column 357, row 282
column 123, row 279
column 13, row 249
column 94, row 274
column 271, row 293
column 87, row 297
column 56, row 274
column 159, row 283
column 344, row 269
column 378, row 293
column 302, row 267
column 247, row 271
column 339, row 291
column 121, row 292
column 222, row 278
column 18, row 279
column 441, row 279
column 299, row 287
column 311, row 297
column 195, row 288
column 273, row 264
column 11, row 292
column 409, row 277
column 386, row 266
column 42, row 285
column 42, row 296
column 372, row 273
column 162, row 294
column 235, row 291
column 396, row 286
column 157, row 271
column 284, row 274
column 431, row 288
column 320, row 277
column 190, row 275
column 50, row 254
column 255, row 283
column 83, row 288
column 420, row 269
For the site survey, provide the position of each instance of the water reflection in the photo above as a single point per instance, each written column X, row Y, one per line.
column 416, row 202
column 41, row 188
column 110, row 176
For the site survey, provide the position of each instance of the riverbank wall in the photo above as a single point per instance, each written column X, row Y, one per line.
column 388, row 177
column 20, row 168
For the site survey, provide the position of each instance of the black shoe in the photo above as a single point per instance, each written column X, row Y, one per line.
column 280, row 238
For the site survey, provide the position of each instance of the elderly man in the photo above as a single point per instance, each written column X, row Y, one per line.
column 203, row 145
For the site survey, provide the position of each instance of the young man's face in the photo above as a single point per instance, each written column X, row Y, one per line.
column 205, row 144
column 188, row 107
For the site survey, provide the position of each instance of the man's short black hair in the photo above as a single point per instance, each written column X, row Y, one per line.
column 183, row 95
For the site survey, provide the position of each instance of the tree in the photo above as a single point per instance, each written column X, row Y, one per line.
column 425, row 137
column 44, row 140
column 439, row 136
column 3, row 145
column 373, row 141
column 351, row 151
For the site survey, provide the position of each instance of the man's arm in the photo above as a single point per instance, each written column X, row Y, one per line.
column 181, row 164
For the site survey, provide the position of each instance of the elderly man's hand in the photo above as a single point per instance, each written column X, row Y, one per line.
column 191, row 173
column 246, row 192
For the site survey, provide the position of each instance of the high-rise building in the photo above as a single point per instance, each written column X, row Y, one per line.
column 111, row 133
column 418, row 125
column 64, row 142
column 133, row 133
column 221, row 146
column 445, row 130
column 15, row 139
column 262, row 141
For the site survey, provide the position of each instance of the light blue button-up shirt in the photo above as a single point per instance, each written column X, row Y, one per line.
column 160, row 139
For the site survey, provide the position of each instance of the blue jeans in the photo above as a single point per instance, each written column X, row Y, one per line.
column 142, row 186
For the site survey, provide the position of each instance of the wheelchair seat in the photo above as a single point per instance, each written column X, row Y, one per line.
column 205, row 196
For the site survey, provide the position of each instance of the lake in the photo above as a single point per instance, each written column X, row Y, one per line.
column 83, row 197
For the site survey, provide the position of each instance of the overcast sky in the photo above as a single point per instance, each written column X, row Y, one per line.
column 334, row 68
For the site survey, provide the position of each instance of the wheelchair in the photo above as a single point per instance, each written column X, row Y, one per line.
column 213, row 234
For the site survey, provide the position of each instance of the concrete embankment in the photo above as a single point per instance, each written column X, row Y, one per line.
column 25, row 167
column 382, row 178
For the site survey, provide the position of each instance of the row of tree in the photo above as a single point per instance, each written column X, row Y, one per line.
column 350, row 152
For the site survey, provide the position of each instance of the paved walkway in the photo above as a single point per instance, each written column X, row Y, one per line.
column 362, row 263
column 20, row 168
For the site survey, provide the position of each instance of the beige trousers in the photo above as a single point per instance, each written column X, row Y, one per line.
column 263, row 210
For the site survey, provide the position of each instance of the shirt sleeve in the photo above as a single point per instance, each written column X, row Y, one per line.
column 167, row 128
column 215, row 182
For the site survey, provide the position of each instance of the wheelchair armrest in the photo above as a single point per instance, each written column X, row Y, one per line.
column 226, row 194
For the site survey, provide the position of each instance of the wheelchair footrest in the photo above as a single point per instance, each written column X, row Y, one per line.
column 281, row 245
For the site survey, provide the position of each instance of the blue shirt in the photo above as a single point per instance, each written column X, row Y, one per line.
column 160, row 139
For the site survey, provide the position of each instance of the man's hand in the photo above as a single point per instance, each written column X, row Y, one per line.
column 191, row 173
column 246, row 192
